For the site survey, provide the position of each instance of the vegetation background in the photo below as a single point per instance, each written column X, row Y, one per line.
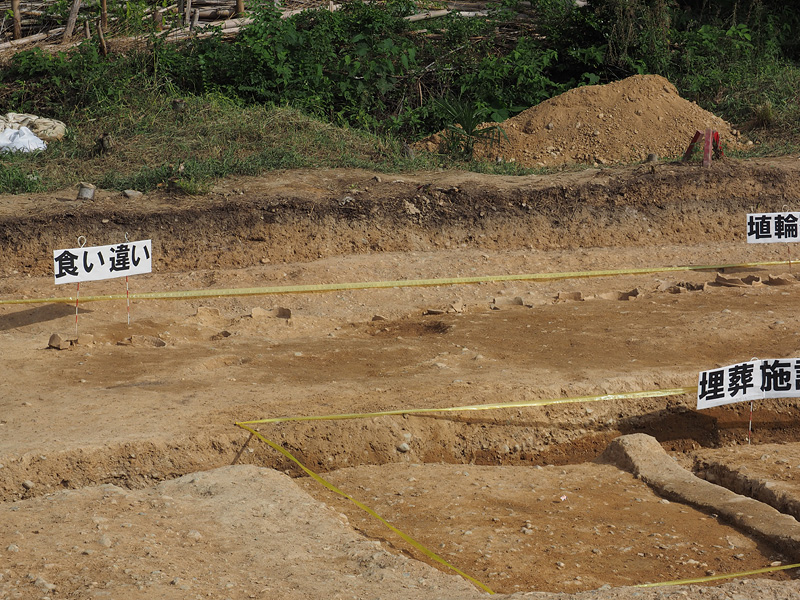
column 353, row 87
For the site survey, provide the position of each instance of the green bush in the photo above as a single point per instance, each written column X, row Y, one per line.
column 367, row 69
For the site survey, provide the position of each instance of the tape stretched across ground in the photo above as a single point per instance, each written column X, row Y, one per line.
column 429, row 553
column 249, row 427
column 478, row 407
column 337, row 287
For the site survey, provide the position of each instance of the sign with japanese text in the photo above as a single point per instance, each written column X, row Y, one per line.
column 765, row 228
column 755, row 380
column 103, row 262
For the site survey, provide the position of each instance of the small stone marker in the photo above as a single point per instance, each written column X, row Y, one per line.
column 569, row 296
column 85, row 191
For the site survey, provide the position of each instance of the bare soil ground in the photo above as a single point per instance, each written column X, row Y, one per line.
column 117, row 452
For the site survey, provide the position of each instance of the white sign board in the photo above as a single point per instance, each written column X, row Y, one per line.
column 103, row 262
column 756, row 380
column 766, row 228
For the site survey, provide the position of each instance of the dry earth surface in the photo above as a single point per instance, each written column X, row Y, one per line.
column 123, row 475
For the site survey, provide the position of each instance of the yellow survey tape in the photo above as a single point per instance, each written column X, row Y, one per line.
column 337, row 287
column 477, row 407
column 718, row 577
column 429, row 553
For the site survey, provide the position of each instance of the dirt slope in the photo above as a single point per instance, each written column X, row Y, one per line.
column 620, row 122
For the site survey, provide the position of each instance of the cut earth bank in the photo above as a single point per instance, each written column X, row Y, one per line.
column 111, row 447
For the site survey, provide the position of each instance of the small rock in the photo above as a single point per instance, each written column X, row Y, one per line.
column 28, row 484
column 104, row 541
column 458, row 307
column 13, row 548
column 57, row 342
column 259, row 313
column 132, row 194
column 403, row 447
column 283, row 313
column 378, row 318
column 43, row 585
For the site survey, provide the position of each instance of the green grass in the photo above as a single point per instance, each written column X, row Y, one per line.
column 212, row 138
column 207, row 138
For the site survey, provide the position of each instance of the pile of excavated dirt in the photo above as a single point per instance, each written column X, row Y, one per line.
column 620, row 122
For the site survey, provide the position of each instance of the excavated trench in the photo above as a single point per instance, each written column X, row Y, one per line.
column 517, row 498
column 512, row 439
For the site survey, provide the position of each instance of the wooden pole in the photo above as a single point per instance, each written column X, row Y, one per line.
column 73, row 16
column 104, row 14
column 239, row 8
column 101, row 38
column 17, row 15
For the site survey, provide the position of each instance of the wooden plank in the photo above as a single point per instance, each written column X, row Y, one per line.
column 688, row 154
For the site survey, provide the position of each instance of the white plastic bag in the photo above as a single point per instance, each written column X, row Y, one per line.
column 20, row 140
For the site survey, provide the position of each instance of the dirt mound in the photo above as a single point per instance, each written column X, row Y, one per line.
column 620, row 122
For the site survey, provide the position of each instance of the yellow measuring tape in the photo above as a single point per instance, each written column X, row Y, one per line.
column 247, row 426
column 478, row 407
column 336, row 287
column 429, row 553
column 718, row 577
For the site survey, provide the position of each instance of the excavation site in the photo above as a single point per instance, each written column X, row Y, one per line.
column 350, row 384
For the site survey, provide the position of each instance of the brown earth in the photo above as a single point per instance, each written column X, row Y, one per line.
column 618, row 123
column 512, row 497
